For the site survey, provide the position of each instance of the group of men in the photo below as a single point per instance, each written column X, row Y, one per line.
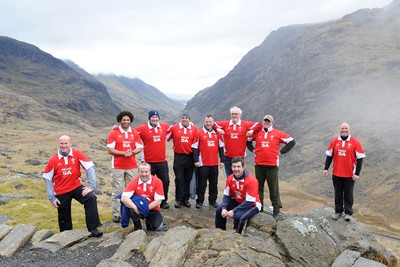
column 138, row 192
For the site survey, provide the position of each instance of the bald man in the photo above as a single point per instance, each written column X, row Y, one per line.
column 347, row 155
column 62, row 177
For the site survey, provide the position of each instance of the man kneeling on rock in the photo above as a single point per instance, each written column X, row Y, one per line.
column 141, row 199
column 241, row 200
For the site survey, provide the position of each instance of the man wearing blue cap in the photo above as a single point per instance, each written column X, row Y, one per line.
column 153, row 135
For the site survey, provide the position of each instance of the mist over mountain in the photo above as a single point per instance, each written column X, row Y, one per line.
column 139, row 97
column 313, row 77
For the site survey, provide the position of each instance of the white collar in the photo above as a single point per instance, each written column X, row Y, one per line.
column 151, row 127
column 61, row 156
column 141, row 182
column 238, row 123
column 181, row 126
column 123, row 131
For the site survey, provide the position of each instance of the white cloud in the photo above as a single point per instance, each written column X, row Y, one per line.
column 177, row 46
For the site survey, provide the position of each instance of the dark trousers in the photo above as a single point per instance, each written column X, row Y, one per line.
column 183, row 169
column 161, row 170
column 209, row 173
column 269, row 174
column 228, row 166
column 343, row 194
column 239, row 219
column 153, row 220
column 89, row 202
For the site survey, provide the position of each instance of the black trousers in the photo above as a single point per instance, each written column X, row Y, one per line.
column 209, row 173
column 343, row 194
column 183, row 169
column 89, row 202
column 269, row 174
column 161, row 170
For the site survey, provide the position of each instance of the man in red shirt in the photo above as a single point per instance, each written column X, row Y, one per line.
column 266, row 156
column 153, row 135
column 207, row 145
column 123, row 143
column 235, row 132
column 182, row 135
column 149, row 189
column 241, row 200
column 347, row 155
column 62, row 177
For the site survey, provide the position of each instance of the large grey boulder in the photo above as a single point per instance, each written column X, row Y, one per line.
column 135, row 241
column 174, row 245
column 62, row 240
column 16, row 239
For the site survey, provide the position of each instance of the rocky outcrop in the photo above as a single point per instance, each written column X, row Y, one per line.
column 311, row 239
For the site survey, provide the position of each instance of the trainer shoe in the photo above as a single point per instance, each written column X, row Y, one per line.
column 116, row 219
column 336, row 216
column 347, row 217
column 199, row 205
column 276, row 215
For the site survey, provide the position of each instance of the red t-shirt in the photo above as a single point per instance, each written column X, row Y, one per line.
column 65, row 172
column 345, row 155
column 243, row 190
column 266, row 150
column 152, row 190
column 154, row 141
column 208, row 144
column 122, row 141
column 182, row 137
column 235, row 136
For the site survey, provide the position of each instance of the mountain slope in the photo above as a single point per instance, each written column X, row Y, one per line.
column 313, row 77
column 27, row 71
column 140, row 97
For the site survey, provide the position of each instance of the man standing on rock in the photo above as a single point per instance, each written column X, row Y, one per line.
column 62, row 177
column 182, row 135
column 347, row 155
column 154, row 137
column 123, row 143
column 241, row 200
column 266, row 157
column 143, row 197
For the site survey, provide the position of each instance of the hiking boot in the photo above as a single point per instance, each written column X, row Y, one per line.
column 336, row 216
column 186, row 203
column 214, row 204
column 276, row 215
column 96, row 233
column 347, row 217
column 116, row 219
column 177, row 204
column 199, row 206
column 164, row 205
column 138, row 226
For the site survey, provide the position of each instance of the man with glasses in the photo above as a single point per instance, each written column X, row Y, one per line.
column 235, row 132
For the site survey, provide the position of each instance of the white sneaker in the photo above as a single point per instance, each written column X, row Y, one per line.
column 336, row 216
column 347, row 217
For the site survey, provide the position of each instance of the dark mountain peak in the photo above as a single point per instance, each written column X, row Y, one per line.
column 28, row 71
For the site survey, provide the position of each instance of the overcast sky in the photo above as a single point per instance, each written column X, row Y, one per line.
column 177, row 46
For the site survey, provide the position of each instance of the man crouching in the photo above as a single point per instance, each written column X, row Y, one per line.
column 141, row 199
column 241, row 200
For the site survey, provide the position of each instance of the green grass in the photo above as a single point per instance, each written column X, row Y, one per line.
column 38, row 211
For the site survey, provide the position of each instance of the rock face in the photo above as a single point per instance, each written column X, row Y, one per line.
column 311, row 239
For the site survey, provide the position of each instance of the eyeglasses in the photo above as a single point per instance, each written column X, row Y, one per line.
column 266, row 120
column 235, row 114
